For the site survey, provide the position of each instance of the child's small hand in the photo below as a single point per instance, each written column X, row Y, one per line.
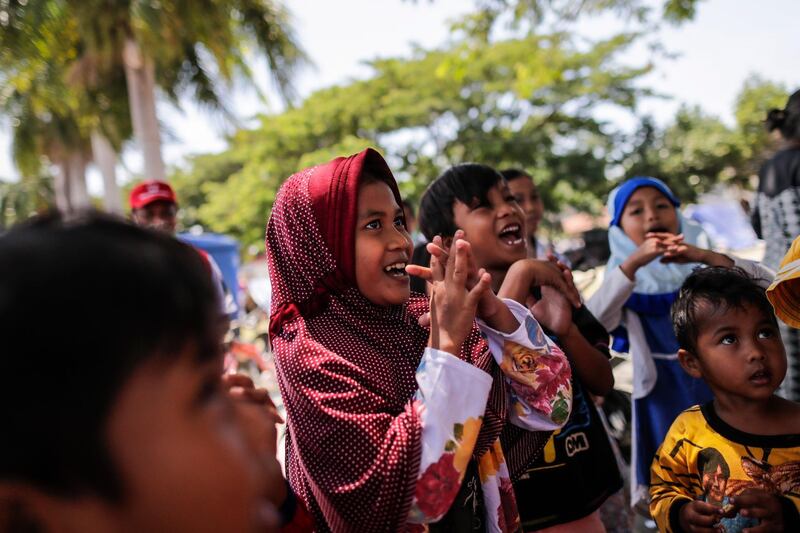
column 552, row 311
column 697, row 517
column 453, row 305
column 256, row 416
column 652, row 246
column 680, row 252
column 766, row 507
column 526, row 274
column 573, row 294
column 490, row 308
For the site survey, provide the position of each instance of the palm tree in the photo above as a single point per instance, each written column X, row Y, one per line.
column 182, row 46
column 78, row 76
column 52, row 115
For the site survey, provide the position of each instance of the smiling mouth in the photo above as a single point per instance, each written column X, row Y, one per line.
column 511, row 234
column 396, row 270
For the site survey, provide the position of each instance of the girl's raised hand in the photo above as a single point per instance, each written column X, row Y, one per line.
column 680, row 252
column 654, row 245
column 453, row 304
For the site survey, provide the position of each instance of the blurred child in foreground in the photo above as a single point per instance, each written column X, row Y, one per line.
column 113, row 412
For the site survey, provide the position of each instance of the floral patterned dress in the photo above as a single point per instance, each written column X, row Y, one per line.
column 451, row 400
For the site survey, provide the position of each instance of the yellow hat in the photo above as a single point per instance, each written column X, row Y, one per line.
column 784, row 293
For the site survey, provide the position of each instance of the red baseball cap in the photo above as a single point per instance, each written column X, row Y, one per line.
column 150, row 191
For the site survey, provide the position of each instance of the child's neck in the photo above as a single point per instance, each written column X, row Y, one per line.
column 533, row 251
column 498, row 276
column 772, row 416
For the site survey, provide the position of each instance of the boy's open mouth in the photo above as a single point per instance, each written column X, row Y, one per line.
column 396, row 270
column 511, row 234
column 760, row 377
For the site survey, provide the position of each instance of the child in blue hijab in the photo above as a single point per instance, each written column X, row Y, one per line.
column 653, row 249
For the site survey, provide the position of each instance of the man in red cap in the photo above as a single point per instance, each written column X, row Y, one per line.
column 153, row 205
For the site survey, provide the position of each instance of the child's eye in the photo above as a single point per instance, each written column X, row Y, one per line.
column 511, row 199
column 373, row 224
column 663, row 206
column 766, row 333
column 636, row 211
column 400, row 221
column 519, row 198
column 728, row 339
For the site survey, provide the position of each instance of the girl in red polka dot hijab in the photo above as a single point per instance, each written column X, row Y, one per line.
column 393, row 426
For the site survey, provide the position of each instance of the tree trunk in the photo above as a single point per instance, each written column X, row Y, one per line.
column 70, row 184
column 78, row 190
column 140, row 76
column 106, row 160
column 61, row 188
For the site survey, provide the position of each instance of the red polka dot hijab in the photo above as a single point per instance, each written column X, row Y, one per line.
column 346, row 367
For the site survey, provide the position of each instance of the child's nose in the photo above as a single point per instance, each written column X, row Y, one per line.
column 506, row 208
column 399, row 239
column 755, row 353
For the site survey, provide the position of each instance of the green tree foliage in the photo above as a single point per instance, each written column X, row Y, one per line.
column 696, row 151
column 22, row 199
column 755, row 100
column 526, row 102
column 692, row 154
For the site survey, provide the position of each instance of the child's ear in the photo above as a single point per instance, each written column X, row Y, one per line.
column 690, row 363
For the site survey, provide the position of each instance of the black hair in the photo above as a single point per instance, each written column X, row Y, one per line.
column 468, row 183
column 709, row 459
column 511, row 174
column 83, row 304
column 722, row 288
column 421, row 257
column 787, row 120
column 405, row 204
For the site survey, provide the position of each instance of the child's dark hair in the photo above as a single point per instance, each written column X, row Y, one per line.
column 721, row 287
column 787, row 120
column 468, row 183
column 511, row 174
column 83, row 304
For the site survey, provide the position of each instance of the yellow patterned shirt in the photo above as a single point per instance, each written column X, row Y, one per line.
column 702, row 457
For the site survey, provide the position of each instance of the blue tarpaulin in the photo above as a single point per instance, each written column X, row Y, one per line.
column 225, row 251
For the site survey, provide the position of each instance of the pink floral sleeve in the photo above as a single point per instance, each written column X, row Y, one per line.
column 536, row 369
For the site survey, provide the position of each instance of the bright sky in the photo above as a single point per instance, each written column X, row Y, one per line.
column 728, row 41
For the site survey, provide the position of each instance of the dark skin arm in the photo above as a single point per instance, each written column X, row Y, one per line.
column 590, row 363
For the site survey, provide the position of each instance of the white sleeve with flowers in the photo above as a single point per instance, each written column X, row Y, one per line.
column 536, row 370
column 451, row 400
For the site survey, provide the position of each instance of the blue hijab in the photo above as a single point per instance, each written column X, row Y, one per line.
column 657, row 283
